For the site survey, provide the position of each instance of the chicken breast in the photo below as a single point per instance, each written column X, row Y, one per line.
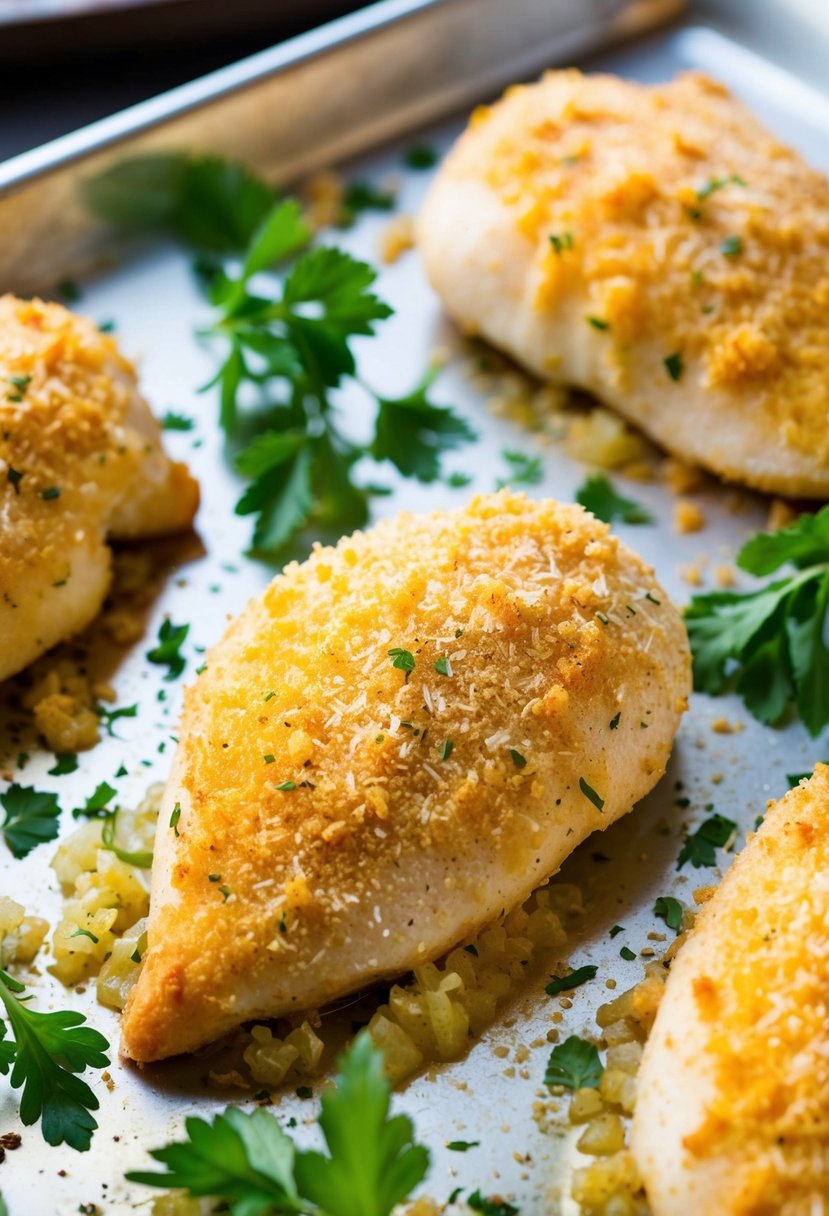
column 732, row 1112
column 654, row 245
column 400, row 738
column 80, row 461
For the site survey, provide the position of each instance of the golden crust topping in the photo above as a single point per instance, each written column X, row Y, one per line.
column 765, row 999
column 678, row 215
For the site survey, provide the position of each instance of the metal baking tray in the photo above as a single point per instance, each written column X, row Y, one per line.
column 287, row 112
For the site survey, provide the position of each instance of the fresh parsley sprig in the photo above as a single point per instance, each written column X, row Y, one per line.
column 599, row 496
column 32, row 818
column 372, row 1163
column 288, row 349
column 288, row 345
column 769, row 644
column 45, row 1053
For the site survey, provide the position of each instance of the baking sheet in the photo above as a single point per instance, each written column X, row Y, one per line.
column 155, row 306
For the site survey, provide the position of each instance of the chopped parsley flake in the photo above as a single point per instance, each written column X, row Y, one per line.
column 176, row 422
column 524, row 470
column 490, row 1207
column 19, row 384
column 598, row 323
column 565, row 982
column 442, row 666
column 591, row 794
column 616, row 930
column 65, row 762
column 420, row 156
column 614, row 721
column 50, row 493
column 670, row 910
column 518, row 760
column 85, row 933
column 717, row 832
column 627, row 954
column 457, row 480
column 168, row 651
column 599, row 496
column 269, row 695
column 446, row 749
column 225, row 892
column 96, row 804
column 31, row 818
column 174, row 818
column 111, row 716
column 673, row 365
column 575, row 1064
column 561, row 241
column 462, row 1146
column 14, row 477
column 402, row 660
column 731, row 246
column 285, row 786
column 269, row 758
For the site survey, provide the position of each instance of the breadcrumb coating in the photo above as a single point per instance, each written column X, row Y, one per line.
column 80, row 460
column 363, row 817
column 732, row 1115
column 673, row 218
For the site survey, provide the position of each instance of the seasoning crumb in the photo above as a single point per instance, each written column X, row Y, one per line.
column 688, row 517
column 781, row 513
column 680, row 477
column 721, row 726
column 396, row 238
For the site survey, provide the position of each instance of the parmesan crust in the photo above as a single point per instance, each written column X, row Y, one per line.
column 80, row 460
column 670, row 217
column 731, row 1117
column 385, row 847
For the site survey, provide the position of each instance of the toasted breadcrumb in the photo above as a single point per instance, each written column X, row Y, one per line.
column 688, row 517
column 396, row 238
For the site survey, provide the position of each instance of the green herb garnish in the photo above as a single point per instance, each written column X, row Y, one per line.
column 524, row 470
column 575, row 1064
column 45, row 1052
column 598, row 496
column 402, row 660
column 591, row 794
column 31, row 818
column 372, row 1164
column 96, row 803
column 420, row 156
column 717, row 832
column 670, row 910
column 731, row 246
column 565, row 982
column 674, row 365
column 769, row 644
column 172, row 421
column 168, row 651
column 110, row 716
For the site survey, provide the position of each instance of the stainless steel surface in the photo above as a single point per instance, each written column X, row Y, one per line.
column 326, row 95
column 155, row 304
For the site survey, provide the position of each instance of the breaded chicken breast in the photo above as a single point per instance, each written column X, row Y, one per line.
column 732, row 1113
column 80, row 461
column 656, row 246
column 400, row 738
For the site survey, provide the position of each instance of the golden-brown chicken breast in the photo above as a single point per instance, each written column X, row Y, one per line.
column 80, row 460
column 732, row 1112
column 401, row 737
column 654, row 245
